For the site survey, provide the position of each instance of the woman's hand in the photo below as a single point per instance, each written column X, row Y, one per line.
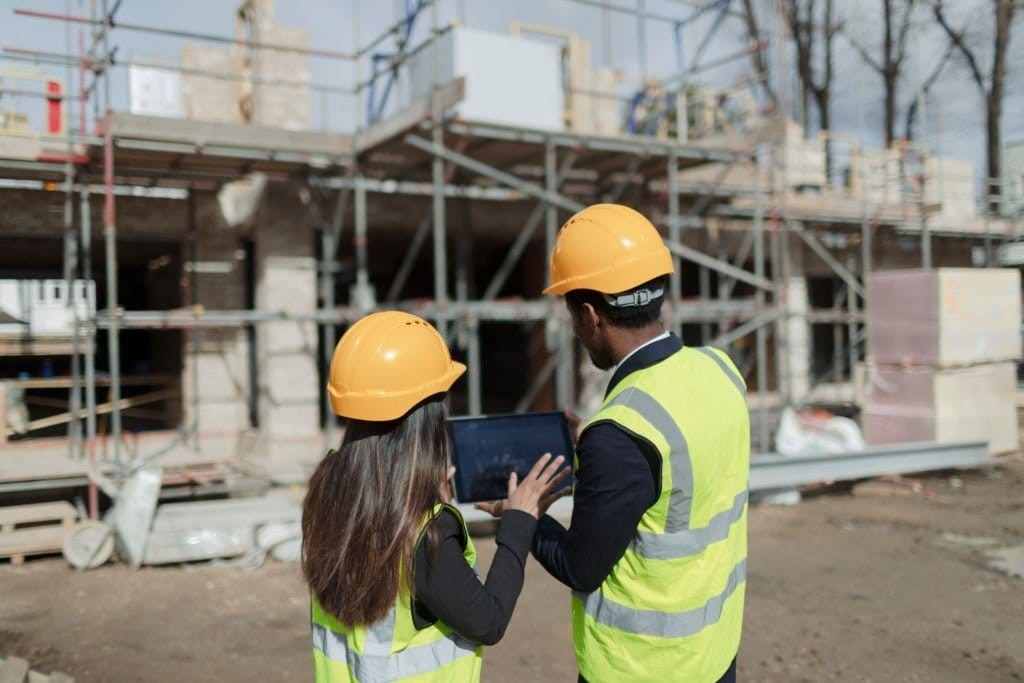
column 535, row 494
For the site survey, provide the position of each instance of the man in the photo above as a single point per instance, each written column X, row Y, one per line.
column 656, row 549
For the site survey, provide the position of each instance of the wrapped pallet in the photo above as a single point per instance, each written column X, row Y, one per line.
column 948, row 317
column 923, row 403
column 944, row 346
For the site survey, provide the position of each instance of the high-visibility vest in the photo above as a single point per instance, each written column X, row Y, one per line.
column 672, row 607
column 393, row 649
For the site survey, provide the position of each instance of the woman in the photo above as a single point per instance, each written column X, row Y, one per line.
column 390, row 565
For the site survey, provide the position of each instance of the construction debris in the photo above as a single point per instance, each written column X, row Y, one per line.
column 16, row 670
column 1009, row 560
column 888, row 487
column 187, row 532
column 89, row 544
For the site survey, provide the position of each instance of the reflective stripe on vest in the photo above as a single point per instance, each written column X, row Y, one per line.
column 681, row 497
column 678, row 544
column 377, row 664
column 729, row 372
column 657, row 623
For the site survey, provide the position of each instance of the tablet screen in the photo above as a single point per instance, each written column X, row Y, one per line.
column 486, row 450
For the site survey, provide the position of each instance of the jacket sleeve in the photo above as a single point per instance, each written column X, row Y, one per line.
column 449, row 590
column 616, row 482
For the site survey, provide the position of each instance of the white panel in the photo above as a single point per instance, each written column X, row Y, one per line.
column 155, row 92
column 980, row 315
column 961, row 404
column 978, row 403
column 509, row 81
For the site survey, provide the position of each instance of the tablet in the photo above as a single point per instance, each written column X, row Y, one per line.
column 486, row 450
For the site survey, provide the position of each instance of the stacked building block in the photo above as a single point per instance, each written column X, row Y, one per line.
column 943, row 351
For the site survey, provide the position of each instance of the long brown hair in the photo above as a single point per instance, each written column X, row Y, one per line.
column 364, row 509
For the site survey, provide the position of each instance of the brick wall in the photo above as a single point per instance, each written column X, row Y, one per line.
column 286, row 280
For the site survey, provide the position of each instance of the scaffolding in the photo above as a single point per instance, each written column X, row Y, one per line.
column 725, row 204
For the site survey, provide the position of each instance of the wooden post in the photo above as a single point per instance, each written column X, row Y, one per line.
column 3, row 413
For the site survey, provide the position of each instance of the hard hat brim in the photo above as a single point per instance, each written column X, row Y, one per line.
column 380, row 407
column 620, row 276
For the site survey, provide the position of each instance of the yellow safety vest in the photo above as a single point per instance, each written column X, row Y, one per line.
column 393, row 649
column 672, row 607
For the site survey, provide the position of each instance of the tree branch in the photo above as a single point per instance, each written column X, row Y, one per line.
column 958, row 41
column 864, row 55
column 901, row 40
column 925, row 87
column 760, row 64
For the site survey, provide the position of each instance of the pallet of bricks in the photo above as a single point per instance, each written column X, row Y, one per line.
column 943, row 348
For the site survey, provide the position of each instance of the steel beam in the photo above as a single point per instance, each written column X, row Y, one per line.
column 752, row 325
column 771, row 471
column 488, row 171
column 419, row 238
column 524, row 237
column 711, row 262
column 818, row 248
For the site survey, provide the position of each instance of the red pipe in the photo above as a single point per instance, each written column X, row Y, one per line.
column 62, row 159
column 108, row 174
column 83, row 97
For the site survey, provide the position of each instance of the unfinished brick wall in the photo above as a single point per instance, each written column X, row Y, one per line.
column 286, row 280
column 215, row 377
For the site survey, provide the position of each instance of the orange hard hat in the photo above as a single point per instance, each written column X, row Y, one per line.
column 609, row 248
column 387, row 363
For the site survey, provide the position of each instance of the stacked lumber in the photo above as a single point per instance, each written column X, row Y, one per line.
column 36, row 529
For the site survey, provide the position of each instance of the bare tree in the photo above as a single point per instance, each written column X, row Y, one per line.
column 911, row 118
column 896, row 28
column 757, row 56
column 806, row 32
column 992, row 86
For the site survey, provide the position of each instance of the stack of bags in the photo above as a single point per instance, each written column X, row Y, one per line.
column 943, row 350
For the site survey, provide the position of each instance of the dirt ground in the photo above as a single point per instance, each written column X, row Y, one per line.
column 841, row 588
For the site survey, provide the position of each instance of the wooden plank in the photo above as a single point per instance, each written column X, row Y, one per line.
column 65, row 382
column 32, row 541
column 36, row 512
column 205, row 134
column 103, row 408
column 3, row 414
column 13, row 670
column 19, row 346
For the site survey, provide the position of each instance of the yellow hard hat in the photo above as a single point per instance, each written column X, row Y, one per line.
column 387, row 363
column 609, row 248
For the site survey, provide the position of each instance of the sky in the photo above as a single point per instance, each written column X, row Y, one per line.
column 954, row 108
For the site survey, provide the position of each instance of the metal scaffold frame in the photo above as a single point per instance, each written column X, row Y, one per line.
column 457, row 160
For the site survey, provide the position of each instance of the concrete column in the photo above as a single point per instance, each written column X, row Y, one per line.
column 797, row 354
column 286, row 280
column 214, row 371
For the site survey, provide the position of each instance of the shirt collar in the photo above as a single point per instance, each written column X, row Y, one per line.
column 649, row 353
column 663, row 335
